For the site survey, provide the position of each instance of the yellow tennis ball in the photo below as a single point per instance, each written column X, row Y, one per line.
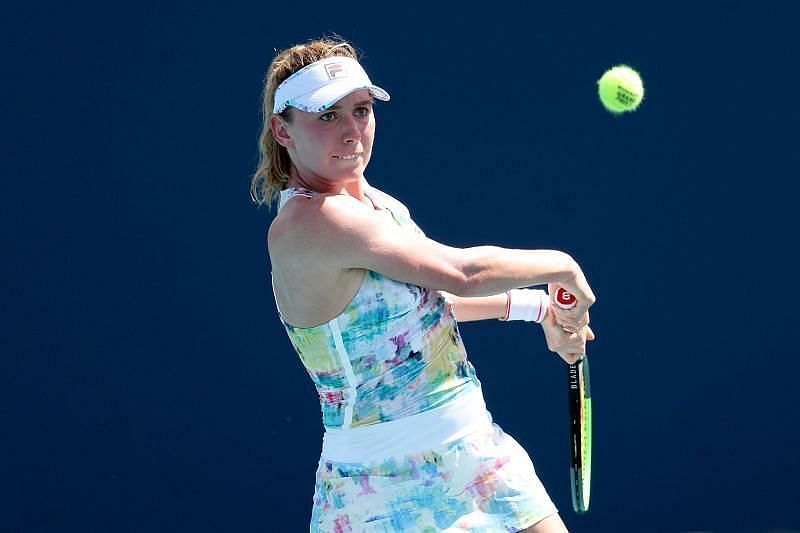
column 620, row 89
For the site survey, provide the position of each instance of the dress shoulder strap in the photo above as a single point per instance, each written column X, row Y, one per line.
column 287, row 194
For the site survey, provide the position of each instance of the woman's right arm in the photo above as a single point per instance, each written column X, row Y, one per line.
column 347, row 234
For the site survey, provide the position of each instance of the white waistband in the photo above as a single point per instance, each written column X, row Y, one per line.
column 416, row 433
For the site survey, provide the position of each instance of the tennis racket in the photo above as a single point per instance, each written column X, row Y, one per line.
column 580, row 421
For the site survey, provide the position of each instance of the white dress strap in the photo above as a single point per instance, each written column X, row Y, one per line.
column 287, row 194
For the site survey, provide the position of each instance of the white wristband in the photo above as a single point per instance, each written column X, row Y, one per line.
column 530, row 305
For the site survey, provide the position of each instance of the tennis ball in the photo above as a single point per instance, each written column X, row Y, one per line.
column 620, row 89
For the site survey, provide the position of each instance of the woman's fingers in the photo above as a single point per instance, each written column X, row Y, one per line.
column 567, row 334
column 573, row 324
column 574, row 343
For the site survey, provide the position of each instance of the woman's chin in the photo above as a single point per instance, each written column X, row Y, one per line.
column 355, row 171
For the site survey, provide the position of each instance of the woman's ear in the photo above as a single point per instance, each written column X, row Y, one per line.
column 280, row 130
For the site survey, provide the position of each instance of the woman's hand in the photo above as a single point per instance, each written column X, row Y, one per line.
column 570, row 346
column 573, row 319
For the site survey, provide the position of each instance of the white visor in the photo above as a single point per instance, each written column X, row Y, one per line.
column 318, row 86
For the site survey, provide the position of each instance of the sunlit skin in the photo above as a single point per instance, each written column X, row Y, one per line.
column 318, row 144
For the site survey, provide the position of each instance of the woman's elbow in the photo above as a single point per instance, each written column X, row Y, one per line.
column 467, row 273
column 465, row 285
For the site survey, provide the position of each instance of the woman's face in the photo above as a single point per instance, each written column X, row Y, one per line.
column 335, row 145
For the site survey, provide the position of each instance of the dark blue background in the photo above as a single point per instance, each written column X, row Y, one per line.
column 148, row 385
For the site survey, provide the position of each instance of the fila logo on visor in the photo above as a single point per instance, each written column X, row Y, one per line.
column 335, row 70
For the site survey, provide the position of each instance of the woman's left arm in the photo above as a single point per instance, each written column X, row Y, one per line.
column 468, row 309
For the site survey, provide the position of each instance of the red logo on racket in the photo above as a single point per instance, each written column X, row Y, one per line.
column 565, row 298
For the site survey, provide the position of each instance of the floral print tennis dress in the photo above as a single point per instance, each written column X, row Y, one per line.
column 409, row 444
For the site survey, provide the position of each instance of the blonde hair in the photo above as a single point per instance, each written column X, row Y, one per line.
column 274, row 164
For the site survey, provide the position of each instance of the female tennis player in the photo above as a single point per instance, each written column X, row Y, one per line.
column 370, row 305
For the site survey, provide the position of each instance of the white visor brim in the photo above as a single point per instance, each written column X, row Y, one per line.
column 320, row 85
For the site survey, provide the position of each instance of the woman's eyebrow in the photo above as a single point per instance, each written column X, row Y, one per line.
column 369, row 101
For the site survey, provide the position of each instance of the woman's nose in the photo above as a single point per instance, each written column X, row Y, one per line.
column 350, row 130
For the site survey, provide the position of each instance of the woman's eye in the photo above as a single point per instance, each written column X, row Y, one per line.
column 327, row 117
column 362, row 112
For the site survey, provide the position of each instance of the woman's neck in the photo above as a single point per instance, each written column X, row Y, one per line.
column 353, row 188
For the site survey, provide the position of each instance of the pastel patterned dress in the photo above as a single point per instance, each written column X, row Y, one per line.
column 392, row 375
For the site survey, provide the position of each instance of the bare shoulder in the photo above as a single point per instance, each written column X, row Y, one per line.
column 311, row 284
column 309, row 226
column 319, row 239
